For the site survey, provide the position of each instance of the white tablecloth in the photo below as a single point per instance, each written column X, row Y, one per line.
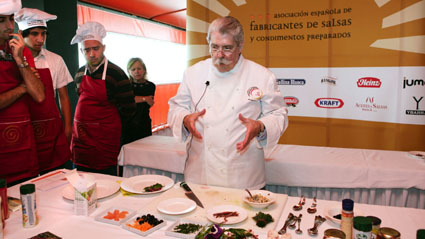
column 56, row 216
column 368, row 176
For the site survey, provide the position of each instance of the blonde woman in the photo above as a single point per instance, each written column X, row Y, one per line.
column 144, row 91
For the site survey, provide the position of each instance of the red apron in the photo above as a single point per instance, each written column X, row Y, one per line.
column 18, row 156
column 97, row 126
column 52, row 146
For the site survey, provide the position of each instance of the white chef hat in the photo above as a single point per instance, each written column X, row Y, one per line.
column 89, row 31
column 31, row 17
column 9, row 7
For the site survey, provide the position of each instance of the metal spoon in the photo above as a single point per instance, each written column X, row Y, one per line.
column 249, row 193
column 293, row 225
column 289, row 220
column 299, row 231
column 299, row 206
column 318, row 220
column 312, row 209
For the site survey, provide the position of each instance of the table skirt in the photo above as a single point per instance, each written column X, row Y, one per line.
column 412, row 197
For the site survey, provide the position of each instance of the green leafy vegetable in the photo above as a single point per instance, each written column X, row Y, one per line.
column 216, row 232
column 262, row 219
column 187, row 228
column 153, row 188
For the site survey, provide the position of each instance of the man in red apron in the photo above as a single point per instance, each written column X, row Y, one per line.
column 52, row 146
column 18, row 157
column 106, row 101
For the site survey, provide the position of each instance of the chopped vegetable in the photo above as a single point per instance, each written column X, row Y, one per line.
column 145, row 222
column 216, row 232
column 116, row 215
column 258, row 198
column 187, row 228
column 154, row 188
column 262, row 219
column 142, row 227
column 225, row 215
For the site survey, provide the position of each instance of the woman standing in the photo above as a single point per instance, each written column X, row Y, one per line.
column 144, row 91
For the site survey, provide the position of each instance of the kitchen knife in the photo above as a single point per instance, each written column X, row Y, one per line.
column 189, row 193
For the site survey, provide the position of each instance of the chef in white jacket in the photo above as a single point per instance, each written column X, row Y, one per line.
column 228, row 109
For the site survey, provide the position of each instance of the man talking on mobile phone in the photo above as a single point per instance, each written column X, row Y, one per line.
column 18, row 82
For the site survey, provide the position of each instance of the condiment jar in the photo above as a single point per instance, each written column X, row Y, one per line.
column 376, row 224
column 362, row 227
column 333, row 234
column 347, row 217
column 388, row 233
column 29, row 205
column 420, row 234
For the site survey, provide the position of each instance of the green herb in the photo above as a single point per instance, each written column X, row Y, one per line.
column 262, row 219
column 153, row 188
column 226, row 233
column 187, row 228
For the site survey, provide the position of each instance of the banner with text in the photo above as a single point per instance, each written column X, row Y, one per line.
column 355, row 66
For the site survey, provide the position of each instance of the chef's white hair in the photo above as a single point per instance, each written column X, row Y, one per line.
column 227, row 25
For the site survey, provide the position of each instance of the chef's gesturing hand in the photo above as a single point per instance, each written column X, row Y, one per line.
column 253, row 128
column 189, row 123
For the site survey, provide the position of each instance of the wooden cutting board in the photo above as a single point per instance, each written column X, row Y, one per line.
column 215, row 196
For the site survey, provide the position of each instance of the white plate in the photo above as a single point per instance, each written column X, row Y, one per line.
column 333, row 211
column 416, row 154
column 137, row 184
column 227, row 208
column 105, row 188
column 176, row 206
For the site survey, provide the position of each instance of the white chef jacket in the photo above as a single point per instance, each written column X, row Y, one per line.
column 60, row 74
column 214, row 160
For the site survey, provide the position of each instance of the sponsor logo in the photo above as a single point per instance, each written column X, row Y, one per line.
column 370, row 82
column 412, row 82
column 417, row 111
column 330, row 103
column 370, row 105
column 291, row 81
column 329, row 80
column 291, row 101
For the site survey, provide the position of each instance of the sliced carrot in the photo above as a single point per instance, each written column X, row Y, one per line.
column 142, row 227
column 116, row 215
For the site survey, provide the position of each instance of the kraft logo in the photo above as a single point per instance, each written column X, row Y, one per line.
column 291, row 100
column 330, row 103
column 290, row 81
column 370, row 82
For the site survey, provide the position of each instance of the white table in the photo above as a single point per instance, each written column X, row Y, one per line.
column 379, row 177
column 56, row 216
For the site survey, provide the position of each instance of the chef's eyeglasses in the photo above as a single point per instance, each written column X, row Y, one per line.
column 226, row 49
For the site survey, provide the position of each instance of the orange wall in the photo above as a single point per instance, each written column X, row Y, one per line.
column 159, row 110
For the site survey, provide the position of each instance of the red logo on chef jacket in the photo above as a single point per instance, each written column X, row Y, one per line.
column 369, row 82
column 254, row 93
column 329, row 103
column 291, row 100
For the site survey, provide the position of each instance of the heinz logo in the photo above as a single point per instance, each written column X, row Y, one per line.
column 371, row 82
column 331, row 103
column 291, row 100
